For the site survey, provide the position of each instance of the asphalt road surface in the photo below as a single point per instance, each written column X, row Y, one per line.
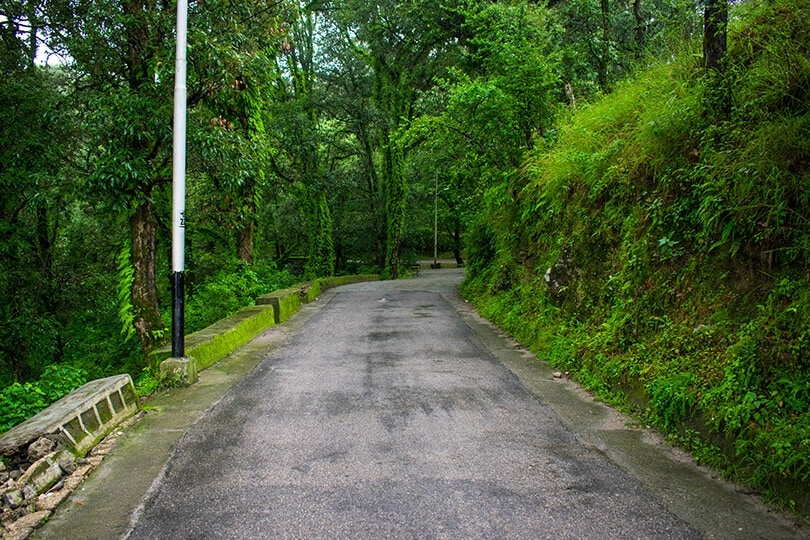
column 391, row 410
column 385, row 416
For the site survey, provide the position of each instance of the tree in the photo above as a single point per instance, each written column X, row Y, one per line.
column 361, row 228
column 301, row 64
column 122, row 52
column 298, row 132
column 604, row 41
column 35, row 138
column 401, row 46
column 715, row 21
column 232, row 150
column 477, row 127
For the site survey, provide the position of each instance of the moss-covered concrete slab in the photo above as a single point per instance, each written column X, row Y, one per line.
column 337, row 281
column 210, row 345
column 285, row 302
column 183, row 370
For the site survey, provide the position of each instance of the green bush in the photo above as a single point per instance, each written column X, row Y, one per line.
column 233, row 288
column 19, row 402
column 672, row 398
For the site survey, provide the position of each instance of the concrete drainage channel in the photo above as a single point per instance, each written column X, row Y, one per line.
column 48, row 456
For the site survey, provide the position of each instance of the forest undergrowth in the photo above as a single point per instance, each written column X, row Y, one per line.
column 659, row 250
column 235, row 286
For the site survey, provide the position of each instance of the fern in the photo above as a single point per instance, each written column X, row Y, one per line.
column 126, row 276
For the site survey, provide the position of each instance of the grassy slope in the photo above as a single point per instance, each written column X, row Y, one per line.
column 681, row 237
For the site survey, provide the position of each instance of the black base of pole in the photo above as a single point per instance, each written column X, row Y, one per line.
column 178, row 319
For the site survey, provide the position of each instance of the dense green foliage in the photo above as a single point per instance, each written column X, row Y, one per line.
column 659, row 251
column 21, row 401
column 231, row 289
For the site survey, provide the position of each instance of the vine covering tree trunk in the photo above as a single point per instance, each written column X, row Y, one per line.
column 244, row 241
column 457, row 239
column 321, row 256
column 640, row 30
column 604, row 61
column 715, row 23
column 395, row 192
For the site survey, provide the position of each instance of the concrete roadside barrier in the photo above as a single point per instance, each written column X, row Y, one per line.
column 208, row 346
column 80, row 419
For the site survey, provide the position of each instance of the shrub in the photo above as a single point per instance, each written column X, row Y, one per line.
column 19, row 402
column 231, row 289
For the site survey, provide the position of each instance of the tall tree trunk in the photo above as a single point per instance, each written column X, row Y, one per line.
column 143, row 234
column 246, row 227
column 715, row 22
column 33, row 15
column 244, row 241
column 640, row 30
column 48, row 289
column 457, row 239
column 395, row 192
column 603, row 64
column 379, row 228
column 321, row 256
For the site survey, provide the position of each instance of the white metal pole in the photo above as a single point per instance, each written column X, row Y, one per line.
column 436, row 221
column 179, row 182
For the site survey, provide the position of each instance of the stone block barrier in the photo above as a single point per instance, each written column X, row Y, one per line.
column 285, row 302
column 208, row 346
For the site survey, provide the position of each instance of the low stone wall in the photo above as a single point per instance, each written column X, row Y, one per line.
column 285, row 302
column 337, row 281
column 213, row 343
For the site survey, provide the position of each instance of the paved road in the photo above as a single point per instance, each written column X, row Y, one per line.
column 389, row 410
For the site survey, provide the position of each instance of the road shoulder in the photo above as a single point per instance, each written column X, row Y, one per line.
column 105, row 504
column 695, row 494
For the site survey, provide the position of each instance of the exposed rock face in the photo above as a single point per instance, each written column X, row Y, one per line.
column 13, row 498
column 560, row 275
column 41, row 475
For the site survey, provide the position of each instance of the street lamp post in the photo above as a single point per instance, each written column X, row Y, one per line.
column 436, row 221
column 179, row 184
